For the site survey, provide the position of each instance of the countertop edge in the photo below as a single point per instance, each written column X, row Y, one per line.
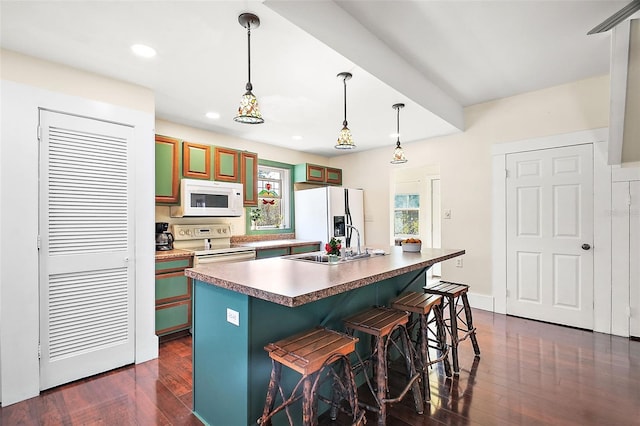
column 294, row 301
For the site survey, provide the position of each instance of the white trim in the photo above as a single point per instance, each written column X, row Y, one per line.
column 602, row 217
column 601, row 239
column 481, row 301
column 618, row 88
column 625, row 174
column 620, row 290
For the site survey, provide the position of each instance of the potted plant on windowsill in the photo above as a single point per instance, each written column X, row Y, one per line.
column 255, row 214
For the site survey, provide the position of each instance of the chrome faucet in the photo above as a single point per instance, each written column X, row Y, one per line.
column 358, row 235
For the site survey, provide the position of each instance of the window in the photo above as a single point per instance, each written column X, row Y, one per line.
column 274, row 197
column 406, row 222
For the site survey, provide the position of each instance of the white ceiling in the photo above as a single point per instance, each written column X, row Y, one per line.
column 434, row 56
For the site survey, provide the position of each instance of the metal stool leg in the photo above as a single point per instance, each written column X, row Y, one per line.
column 442, row 338
column 453, row 324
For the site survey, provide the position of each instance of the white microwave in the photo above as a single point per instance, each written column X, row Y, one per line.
column 208, row 198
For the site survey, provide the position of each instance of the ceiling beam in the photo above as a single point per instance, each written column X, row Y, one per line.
column 329, row 23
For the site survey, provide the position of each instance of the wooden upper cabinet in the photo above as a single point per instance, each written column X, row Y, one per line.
column 167, row 161
column 196, row 160
column 314, row 173
column 333, row 176
column 225, row 164
column 249, row 172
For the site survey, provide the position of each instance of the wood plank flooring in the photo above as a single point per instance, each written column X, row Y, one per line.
column 529, row 373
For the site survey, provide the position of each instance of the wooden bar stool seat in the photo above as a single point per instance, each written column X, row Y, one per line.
column 318, row 355
column 420, row 305
column 458, row 326
column 387, row 328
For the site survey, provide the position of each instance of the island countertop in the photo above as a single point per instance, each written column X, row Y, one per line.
column 293, row 283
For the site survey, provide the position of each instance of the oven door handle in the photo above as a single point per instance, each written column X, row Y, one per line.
column 224, row 257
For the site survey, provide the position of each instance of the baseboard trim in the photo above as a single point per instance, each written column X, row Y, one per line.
column 481, row 301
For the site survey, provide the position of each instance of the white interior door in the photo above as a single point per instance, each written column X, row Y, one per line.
column 549, row 219
column 86, row 231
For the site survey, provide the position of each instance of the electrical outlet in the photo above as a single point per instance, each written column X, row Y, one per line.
column 447, row 214
column 458, row 262
column 233, row 317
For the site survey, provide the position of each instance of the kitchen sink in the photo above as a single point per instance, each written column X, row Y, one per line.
column 324, row 259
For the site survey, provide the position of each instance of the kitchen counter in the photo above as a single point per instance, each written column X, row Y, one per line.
column 297, row 282
column 241, row 307
column 170, row 254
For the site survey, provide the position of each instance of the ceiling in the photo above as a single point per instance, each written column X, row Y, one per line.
column 434, row 56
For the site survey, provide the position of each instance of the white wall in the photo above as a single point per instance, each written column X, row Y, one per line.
column 464, row 161
column 27, row 84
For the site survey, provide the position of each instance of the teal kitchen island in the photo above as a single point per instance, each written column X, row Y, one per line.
column 240, row 307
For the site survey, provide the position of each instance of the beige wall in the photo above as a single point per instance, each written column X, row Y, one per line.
column 60, row 78
column 464, row 161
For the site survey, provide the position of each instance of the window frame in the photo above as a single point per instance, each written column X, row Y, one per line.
column 288, row 201
column 396, row 209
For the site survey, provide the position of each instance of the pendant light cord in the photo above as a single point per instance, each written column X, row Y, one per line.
column 249, row 87
column 398, row 126
column 344, row 81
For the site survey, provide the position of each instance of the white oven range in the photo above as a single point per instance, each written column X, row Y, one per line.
column 210, row 243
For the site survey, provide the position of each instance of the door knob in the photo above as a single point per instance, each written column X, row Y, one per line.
column 586, row 247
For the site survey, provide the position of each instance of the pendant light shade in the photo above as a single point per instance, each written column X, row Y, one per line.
column 345, row 140
column 398, row 153
column 248, row 111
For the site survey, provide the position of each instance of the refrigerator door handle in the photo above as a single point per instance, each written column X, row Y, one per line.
column 348, row 219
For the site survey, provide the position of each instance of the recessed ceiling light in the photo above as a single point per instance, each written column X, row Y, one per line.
column 213, row 115
column 143, row 50
column 296, row 137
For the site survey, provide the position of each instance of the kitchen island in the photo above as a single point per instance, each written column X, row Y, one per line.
column 240, row 307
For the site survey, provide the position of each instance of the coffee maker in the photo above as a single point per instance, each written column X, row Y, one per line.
column 164, row 239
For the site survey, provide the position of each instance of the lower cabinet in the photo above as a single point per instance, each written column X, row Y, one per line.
column 173, row 295
column 286, row 250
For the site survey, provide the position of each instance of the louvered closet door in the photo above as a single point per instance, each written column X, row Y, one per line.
column 86, row 280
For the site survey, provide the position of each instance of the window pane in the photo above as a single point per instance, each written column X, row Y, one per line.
column 271, row 209
column 400, row 201
column 406, row 222
column 413, row 201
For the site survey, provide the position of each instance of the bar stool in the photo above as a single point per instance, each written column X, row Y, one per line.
column 459, row 328
column 314, row 354
column 385, row 326
column 421, row 305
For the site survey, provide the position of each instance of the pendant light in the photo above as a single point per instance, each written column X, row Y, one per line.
column 248, row 111
column 345, row 140
column 398, row 154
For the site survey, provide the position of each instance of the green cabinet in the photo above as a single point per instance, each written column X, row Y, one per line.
column 305, row 249
column 196, row 160
column 249, row 177
column 173, row 295
column 225, row 164
column 167, row 163
column 314, row 173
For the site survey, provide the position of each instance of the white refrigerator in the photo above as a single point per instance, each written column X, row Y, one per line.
column 322, row 213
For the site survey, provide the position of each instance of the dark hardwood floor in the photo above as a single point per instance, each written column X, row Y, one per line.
column 529, row 373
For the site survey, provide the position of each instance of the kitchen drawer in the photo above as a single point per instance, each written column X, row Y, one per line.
column 174, row 264
column 272, row 252
column 305, row 249
column 172, row 287
column 173, row 317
